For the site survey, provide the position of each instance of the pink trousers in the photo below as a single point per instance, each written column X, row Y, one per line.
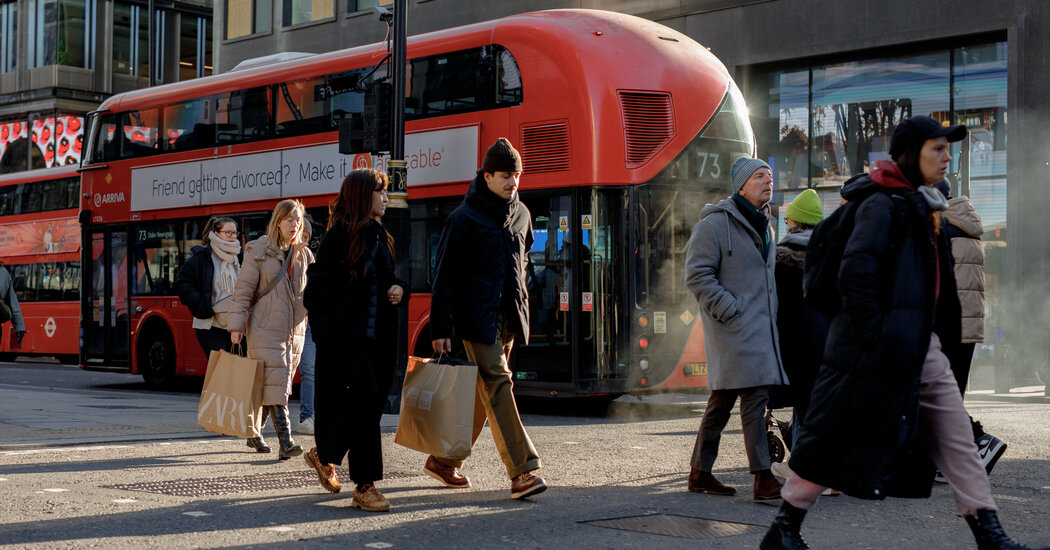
column 950, row 446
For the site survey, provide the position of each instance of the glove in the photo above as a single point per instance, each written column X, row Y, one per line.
column 19, row 334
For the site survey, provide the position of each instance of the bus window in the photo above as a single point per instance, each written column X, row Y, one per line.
column 303, row 106
column 139, row 135
column 25, row 281
column 243, row 115
column 463, row 81
column 188, row 125
column 7, row 200
column 157, row 256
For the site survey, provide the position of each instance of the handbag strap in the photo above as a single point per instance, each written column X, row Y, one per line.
column 280, row 276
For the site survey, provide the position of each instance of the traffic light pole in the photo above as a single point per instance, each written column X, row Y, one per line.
column 397, row 214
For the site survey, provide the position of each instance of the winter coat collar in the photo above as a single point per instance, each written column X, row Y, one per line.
column 888, row 174
column 801, row 238
column 490, row 205
column 963, row 215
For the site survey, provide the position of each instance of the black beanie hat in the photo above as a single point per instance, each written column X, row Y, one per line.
column 501, row 157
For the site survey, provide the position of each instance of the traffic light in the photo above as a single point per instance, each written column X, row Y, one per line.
column 369, row 132
column 376, row 116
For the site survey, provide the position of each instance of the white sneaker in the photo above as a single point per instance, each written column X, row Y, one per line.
column 305, row 427
column 990, row 448
column 781, row 470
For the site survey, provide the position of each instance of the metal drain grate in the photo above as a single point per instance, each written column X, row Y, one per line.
column 679, row 526
column 238, row 484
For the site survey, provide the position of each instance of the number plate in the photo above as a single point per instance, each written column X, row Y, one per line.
column 695, row 369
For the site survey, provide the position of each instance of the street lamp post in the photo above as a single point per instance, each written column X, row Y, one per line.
column 397, row 214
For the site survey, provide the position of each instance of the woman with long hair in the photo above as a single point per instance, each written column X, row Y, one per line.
column 885, row 407
column 353, row 295
column 269, row 292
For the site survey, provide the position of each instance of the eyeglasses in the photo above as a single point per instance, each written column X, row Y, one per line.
column 230, row 234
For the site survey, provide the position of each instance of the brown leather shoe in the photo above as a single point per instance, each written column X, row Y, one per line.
column 704, row 482
column 370, row 500
column 766, row 486
column 525, row 485
column 445, row 474
column 325, row 472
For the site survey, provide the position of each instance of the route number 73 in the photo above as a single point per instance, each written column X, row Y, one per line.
column 705, row 159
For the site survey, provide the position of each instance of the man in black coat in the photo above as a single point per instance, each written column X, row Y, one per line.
column 479, row 295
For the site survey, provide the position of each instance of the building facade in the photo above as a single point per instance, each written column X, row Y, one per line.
column 60, row 58
column 826, row 83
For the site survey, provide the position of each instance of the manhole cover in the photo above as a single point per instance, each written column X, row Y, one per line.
column 679, row 526
column 238, row 484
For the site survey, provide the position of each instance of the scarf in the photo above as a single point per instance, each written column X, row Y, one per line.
column 227, row 252
column 935, row 201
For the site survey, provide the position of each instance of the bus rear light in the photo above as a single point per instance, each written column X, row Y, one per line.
column 643, row 364
column 643, row 381
column 643, row 321
column 643, row 342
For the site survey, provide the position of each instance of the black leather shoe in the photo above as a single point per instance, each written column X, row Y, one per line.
column 784, row 533
column 259, row 444
column 989, row 533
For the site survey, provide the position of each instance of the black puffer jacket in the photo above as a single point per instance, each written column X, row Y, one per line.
column 194, row 282
column 861, row 434
column 483, row 249
column 801, row 327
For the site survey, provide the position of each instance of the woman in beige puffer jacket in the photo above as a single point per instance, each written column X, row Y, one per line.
column 276, row 322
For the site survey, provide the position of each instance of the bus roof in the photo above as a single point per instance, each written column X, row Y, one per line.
column 551, row 31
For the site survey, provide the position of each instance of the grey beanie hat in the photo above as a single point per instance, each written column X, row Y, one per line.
column 743, row 168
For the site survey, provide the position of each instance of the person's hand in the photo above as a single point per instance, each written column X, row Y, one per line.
column 395, row 294
column 235, row 336
column 442, row 345
column 19, row 334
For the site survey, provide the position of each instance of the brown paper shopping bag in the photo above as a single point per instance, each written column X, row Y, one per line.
column 231, row 401
column 437, row 408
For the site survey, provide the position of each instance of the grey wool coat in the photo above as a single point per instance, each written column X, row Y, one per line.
column 736, row 289
column 276, row 323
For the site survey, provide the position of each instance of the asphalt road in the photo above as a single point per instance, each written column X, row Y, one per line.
column 123, row 486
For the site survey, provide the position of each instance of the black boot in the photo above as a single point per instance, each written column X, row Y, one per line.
column 284, row 433
column 989, row 533
column 784, row 533
column 258, row 443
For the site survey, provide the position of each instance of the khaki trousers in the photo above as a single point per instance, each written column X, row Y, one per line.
column 494, row 400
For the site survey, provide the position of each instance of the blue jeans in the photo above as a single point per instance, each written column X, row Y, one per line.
column 306, row 378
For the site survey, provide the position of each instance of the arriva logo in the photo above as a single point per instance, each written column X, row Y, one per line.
column 108, row 198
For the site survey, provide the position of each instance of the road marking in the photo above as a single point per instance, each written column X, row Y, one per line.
column 280, row 529
column 56, row 490
column 65, row 450
column 196, row 514
column 124, row 500
column 637, row 447
column 572, row 442
column 379, row 545
column 5, row 479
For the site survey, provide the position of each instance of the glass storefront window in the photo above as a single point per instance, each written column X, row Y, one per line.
column 8, row 36
column 302, row 11
column 194, row 47
column 62, row 32
column 246, row 17
column 130, row 39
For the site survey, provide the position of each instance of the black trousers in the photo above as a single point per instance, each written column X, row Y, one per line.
column 213, row 339
column 960, row 357
column 348, row 406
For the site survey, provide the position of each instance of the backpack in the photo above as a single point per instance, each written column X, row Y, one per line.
column 820, row 285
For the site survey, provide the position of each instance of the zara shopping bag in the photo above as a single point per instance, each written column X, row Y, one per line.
column 437, row 407
column 231, row 401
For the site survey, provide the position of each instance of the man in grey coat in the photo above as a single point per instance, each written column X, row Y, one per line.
column 729, row 268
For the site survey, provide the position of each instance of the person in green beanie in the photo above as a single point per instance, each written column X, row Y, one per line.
column 803, row 329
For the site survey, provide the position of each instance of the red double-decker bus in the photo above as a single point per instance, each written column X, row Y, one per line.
column 626, row 128
column 40, row 248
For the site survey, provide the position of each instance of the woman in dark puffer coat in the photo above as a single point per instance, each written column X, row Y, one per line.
column 885, row 402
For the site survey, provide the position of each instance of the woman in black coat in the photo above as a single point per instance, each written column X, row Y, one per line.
column 885, row 402
column 352, row 298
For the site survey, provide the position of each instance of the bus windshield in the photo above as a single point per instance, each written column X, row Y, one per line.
column 667, row 207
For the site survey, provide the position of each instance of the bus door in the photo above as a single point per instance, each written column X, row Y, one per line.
column 105, row 297
column 601, row 290
column 546, row 362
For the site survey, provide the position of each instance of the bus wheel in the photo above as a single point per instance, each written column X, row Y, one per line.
column 156, row 358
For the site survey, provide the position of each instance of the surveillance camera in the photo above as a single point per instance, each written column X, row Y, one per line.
column 383, row 14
